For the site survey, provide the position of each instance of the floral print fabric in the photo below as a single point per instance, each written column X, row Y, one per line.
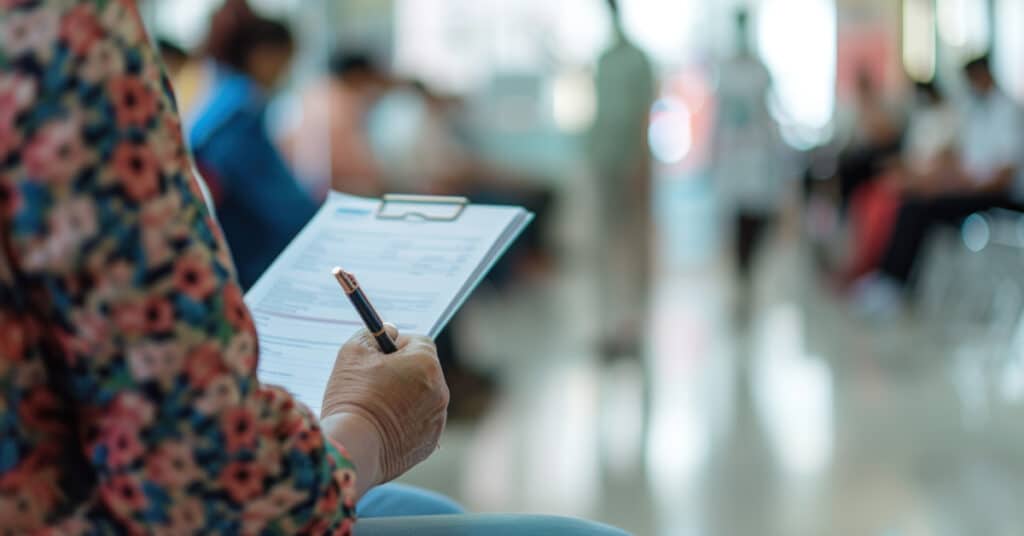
column 128, row 396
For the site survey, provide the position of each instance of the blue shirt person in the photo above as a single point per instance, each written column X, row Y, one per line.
column 260, row 204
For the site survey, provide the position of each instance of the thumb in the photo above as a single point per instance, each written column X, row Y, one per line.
column 396, row 337
column 365, row 339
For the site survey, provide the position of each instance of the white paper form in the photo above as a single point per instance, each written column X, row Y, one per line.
column 415, row 272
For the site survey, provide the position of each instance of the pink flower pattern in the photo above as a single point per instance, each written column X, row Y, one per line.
column 16, row 95
column 134, row 373
column 57, row 153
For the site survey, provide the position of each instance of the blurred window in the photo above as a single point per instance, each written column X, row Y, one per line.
column 460, row 45
column 797, row 39
column 919, row 39
column 186, row 21
column 665, row 30
column 1009, row 46
column 964, row 26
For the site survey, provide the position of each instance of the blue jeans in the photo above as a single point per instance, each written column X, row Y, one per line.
column 397, row 510
column 481, row 525
column 399, row 500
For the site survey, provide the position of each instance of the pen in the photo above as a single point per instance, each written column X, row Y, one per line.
column 362, row 304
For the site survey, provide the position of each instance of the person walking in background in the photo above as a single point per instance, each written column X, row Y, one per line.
column 747, row 154
column 619, row 160
column 259, row 201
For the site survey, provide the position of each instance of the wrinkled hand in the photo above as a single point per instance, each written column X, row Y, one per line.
column 403, row 395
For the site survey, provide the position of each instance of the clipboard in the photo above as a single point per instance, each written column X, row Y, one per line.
column 411, row 208
column 418, row 257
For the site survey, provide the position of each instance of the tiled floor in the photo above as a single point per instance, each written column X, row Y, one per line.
column 812, row 422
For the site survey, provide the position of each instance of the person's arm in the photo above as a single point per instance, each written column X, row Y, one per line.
column 1008, row 140
column 111, row 232
column 1002, row 181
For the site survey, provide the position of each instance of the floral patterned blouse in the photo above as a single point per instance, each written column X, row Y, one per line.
column 128, row 397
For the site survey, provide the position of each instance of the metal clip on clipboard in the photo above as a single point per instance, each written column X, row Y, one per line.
column 409, row 210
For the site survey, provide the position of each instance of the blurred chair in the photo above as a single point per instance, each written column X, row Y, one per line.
column 972, row 284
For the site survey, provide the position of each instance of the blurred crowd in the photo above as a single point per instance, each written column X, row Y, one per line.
column 906, row 163
column 914, row 164
column 911, row 158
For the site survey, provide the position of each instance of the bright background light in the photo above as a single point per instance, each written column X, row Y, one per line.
column 803, row 65
column 663, row 29
column 1009, row 54
column 444, row 50
column 670, row 134
column 964, row 25
column 919, row 39
column 573, row 101
column 976, row 232
column 186, row 21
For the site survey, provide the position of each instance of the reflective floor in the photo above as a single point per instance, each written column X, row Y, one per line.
column 810, row 422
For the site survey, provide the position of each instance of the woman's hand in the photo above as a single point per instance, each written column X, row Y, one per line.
column 388, row 410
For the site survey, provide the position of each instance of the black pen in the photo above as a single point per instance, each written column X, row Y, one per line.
column 362, row 304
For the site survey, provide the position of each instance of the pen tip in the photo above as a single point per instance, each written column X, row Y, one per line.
column 347, row 281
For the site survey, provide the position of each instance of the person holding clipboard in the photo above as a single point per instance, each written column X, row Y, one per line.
column 127, row 353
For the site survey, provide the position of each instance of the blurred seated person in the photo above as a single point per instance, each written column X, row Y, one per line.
column 414, row 133
column 412, row 136
column 988, row 176
column 927, row 159
column 131, row 402
column 260, row 204
column 876, row 138
column 329, row 146
column 931, row 141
